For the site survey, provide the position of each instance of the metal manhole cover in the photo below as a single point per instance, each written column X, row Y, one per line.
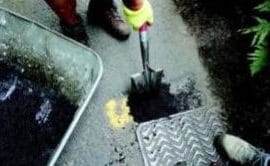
column 182, row 137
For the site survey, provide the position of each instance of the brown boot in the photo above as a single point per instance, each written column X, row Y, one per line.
column 75, row 31
column 105, row 14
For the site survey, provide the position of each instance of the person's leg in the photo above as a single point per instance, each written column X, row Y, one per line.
column 261, row 159
column 70, row 20
column 242, row 152
column 105, row 14
column 65, row 10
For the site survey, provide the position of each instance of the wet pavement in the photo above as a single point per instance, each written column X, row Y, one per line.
column 106, row 133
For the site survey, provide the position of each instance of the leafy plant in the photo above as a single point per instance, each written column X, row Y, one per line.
column 260, row 31
column 260, row 57
column 264, row 7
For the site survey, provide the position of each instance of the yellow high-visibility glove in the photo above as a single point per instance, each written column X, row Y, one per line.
column 139, row 17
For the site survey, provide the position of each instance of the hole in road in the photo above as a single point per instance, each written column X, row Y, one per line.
column 165, row 101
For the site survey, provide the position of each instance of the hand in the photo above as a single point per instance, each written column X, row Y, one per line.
column 137, row 18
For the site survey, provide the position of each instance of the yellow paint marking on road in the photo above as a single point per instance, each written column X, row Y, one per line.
column 118, row 112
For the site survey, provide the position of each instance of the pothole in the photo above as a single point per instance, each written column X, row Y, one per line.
column 166, row 101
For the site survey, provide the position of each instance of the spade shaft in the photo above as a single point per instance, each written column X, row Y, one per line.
column 149, row 79
column 144, row 43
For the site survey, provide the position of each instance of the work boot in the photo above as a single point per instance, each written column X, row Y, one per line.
column 75, row 31
column 104, row 13
column 238, row 150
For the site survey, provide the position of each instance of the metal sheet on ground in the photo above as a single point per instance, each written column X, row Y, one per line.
column 184, row 137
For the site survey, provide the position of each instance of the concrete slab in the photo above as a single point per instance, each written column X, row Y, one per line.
column 97, row 140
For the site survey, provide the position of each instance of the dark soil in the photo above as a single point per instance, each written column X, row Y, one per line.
column 161, row 102
column 33, row 119
column 223, row 50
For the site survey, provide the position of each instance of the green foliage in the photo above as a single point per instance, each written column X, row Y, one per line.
column 260, row 31
column 260, row 57
column 264, row 7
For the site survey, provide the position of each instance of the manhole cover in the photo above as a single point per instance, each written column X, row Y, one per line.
column 182, row 137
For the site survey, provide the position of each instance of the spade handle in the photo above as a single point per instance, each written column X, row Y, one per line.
column 144, row 43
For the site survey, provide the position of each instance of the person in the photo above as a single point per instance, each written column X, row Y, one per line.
column 242, row 152
column 103, row 13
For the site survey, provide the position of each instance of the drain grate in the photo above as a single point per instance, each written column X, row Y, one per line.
column 182, row 137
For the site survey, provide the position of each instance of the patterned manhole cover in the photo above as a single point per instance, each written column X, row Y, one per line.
column 182, row 137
